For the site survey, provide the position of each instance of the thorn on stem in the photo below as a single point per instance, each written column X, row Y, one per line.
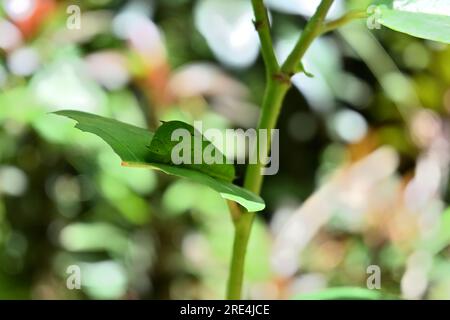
column 258, row 24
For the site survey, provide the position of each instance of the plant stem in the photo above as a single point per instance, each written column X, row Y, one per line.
column 348, row 17
column 278, row 84
column 242, row 228
column 262, row 26
column 312, row 30
column 274, row 96
column 273, row 99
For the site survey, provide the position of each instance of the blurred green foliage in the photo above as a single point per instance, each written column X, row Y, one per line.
column 65, row 200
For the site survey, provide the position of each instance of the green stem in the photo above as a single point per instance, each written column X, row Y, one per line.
column 278, row 84
column 348, row 17
column 262, row 26
column 242, row 228
column 312, row 30
column 273, row 100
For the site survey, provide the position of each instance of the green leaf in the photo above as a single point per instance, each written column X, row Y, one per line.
column 192, row 144
column 132, row 145
column 420, row 18
column 342, row 293
column 301, row 68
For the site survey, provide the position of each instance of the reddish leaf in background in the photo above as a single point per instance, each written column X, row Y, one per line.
column 31, row 24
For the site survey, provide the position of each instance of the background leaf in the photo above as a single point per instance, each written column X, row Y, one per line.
column 131, row 144
column 342, row 293
column 419, row 18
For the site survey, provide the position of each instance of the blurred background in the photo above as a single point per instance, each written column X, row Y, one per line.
column 364, row 148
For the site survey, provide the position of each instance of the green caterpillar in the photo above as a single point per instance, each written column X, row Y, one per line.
column 161, row 148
